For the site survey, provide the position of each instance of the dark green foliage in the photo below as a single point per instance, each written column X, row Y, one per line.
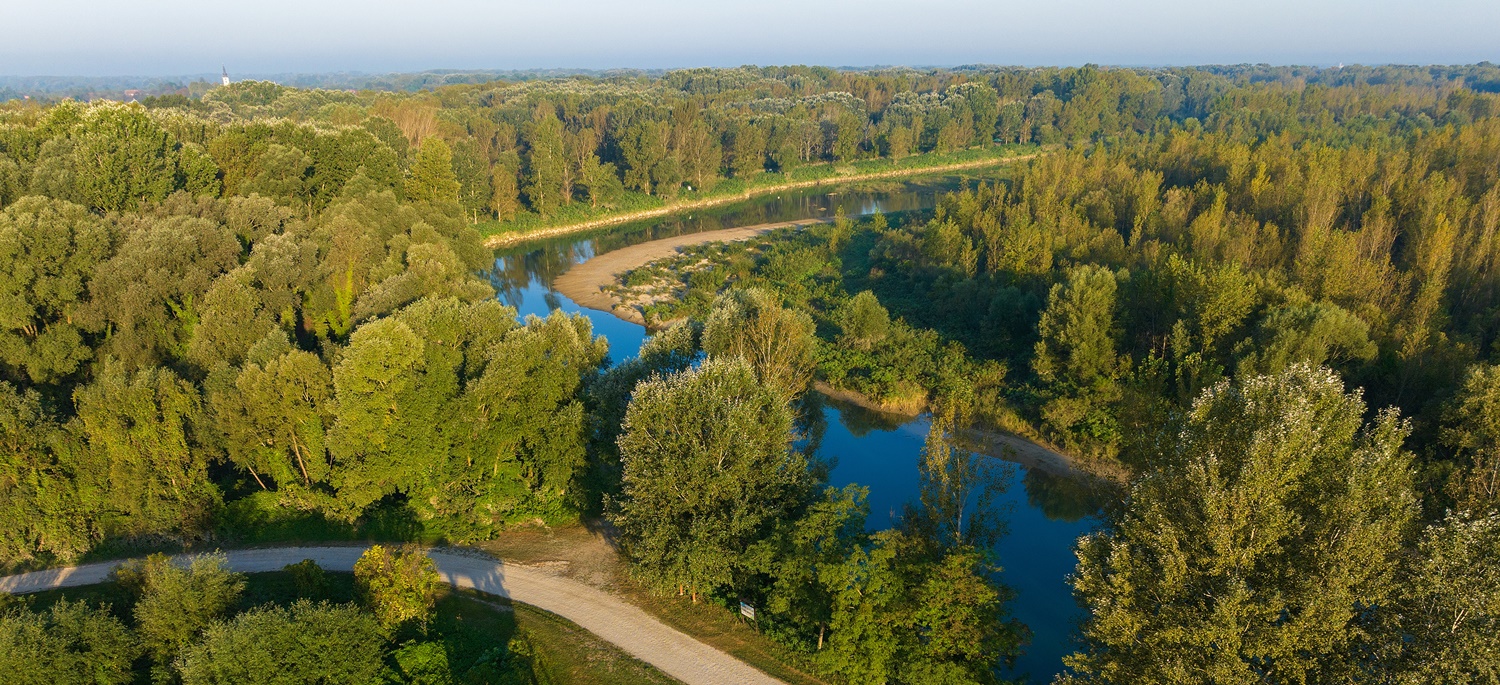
column 708, row 470
column 69, row 644
column 49, row 250
column 1273, row 525
column 174, row 605
column 303, row 643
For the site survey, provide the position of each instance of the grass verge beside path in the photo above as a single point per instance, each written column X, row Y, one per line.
column 468, row 624
column 637, row 206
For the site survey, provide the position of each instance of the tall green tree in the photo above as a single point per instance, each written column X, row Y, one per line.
column 175, row 604
column 42, row 512
column 709, row 470
column 546, row 162
column 777, row 342
column 1076, row 355
column 1273, row 527
column 431, row 178
column 1472, row 430
column 48, row 252
column 142, row 464
column 1448, row 606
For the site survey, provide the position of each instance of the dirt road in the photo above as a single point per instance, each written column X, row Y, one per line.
column 503, row 239
column 626, row 626
column 583, row 283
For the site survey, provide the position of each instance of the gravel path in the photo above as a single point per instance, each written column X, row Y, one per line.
column 613, row 620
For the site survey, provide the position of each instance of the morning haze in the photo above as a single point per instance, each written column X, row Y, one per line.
column 171, row 37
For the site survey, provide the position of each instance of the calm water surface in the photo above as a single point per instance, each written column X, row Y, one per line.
column 1045, row 513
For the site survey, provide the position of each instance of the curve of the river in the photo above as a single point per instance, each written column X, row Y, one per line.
column 1046, row 512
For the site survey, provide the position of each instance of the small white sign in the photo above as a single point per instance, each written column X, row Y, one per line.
column 747, row 611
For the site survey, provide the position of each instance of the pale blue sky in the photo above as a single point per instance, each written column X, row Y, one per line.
column 166, row 37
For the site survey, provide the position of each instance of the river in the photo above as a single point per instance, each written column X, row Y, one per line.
column 1045, row 513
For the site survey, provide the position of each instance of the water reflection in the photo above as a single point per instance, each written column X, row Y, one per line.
column 1046, row 513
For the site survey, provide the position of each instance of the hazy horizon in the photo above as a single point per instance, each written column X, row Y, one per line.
column 175, row 38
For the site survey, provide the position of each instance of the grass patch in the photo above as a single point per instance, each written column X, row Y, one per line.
column 723, row 629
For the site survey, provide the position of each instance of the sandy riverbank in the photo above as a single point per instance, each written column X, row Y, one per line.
column 504, row 239
column 584, row 283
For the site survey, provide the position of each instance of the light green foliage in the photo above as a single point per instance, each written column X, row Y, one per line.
column 431, row 178
column 1274, row 523
column 48, row 252
column 1077, row 345
column 472, row 171
column 1076, row 355
column 775, row 341
column 120, row 157
column 303, row 643
column 709, row 470
column 386, row 418
column 70, row 644
column 602, row 182
column 863, row 320
column 506, row 199
column 546, row 162
column 174, row 605
column 1472, row 429
column 149, row 294
column 1319, row 333
column 423, row 663
column 10, row 181
column 274, row 417
column 518, row 445
column 1448, row 606
column 141, row 467
column 40, row 508
column 397, row 585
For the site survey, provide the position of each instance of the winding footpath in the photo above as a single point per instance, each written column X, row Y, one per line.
column 613, row 620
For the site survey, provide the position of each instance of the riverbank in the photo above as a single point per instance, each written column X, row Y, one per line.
column 585, row 285
column 513, row 237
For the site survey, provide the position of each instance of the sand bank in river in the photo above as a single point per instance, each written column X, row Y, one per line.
column 584, row 283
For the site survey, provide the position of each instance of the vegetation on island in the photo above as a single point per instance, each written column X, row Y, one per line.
column 1268, row 293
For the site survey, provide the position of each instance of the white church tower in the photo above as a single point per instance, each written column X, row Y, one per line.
column 225, row 78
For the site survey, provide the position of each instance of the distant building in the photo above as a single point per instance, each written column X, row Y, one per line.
column 225, row 78
column 132, row 95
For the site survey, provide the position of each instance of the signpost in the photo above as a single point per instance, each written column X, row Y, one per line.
column 747, row 611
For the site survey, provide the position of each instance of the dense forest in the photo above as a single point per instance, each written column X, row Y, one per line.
column 1266, row 293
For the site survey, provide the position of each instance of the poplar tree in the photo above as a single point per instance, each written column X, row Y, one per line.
column 431, row 178
column 546, row 162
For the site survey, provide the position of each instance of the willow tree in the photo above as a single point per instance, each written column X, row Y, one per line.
column 709, row 470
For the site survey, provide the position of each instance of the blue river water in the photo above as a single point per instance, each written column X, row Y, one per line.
column 1045, row 514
